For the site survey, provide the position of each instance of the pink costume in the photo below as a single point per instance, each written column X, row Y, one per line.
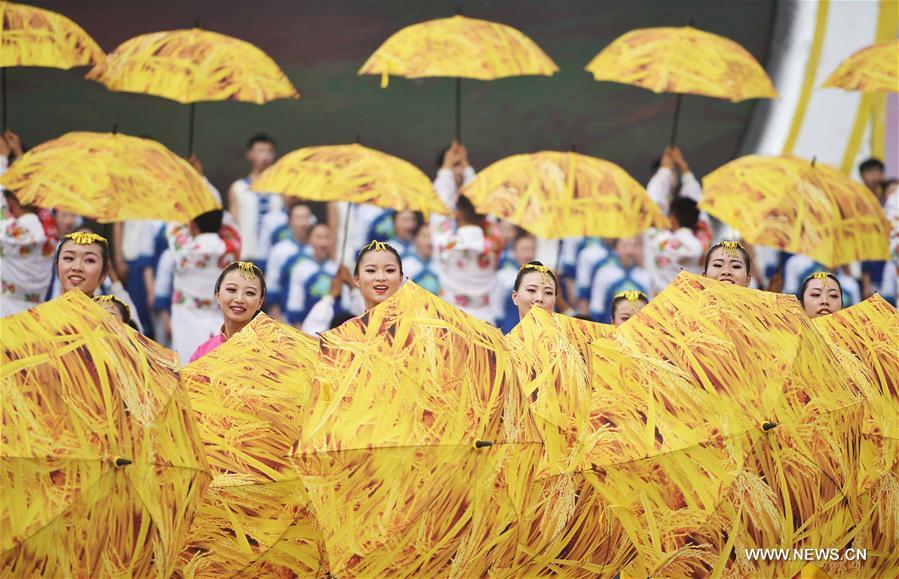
column 208, row 346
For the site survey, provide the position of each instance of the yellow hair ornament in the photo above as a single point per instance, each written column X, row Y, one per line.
column 631, row 295
column 541, row 268
column 731, row 247
column 86, row 238
column 376, row 246
column 247, row 269
column 110, row 299
column 822, row 275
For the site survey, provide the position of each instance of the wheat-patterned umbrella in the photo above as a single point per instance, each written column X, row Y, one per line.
column 869, row 334
column 101, row 466
column 556, row 194
column 458, row 47
column 874, row 68
column 110, row 177
column 747, row 425
column 247, row 397
column 352, row 173
column 191, row 66
column 683, row 61
column 798, row 206
column 31, row 36
column 414, row 411
column 568, row 526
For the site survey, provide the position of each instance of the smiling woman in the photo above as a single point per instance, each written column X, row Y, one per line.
column 240, row 293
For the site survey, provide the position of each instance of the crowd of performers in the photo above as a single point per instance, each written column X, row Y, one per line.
column 193, row 286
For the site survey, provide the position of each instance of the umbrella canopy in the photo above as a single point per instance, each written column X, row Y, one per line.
column 458, row 47
column 414, row 410
column 247, row 397
column 351, row 173
column 110, row 177
column 191, row 66
column 554, row 194
column 570, row 530
column 683, row 60
column 869, row 333
column 747, row 427
column 101, row 467
column 872, row 69
column 798, row 206
column 31, row 36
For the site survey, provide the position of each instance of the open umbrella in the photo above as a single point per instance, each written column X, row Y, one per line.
column 31, row 36
column 556, row 194
column 684, row 61
column 191, row 66
column 874, row 68
column 413, row 413
column 458, row 47
column 751, row 425
column 798, row 206
column 351, row 173
column 110, row 177
column 869, row 332
column 247, row 397
column 101, row 467
column 568, row 526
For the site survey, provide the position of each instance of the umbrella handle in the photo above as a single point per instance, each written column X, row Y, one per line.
column 483, row 443
column 458, row 110
column 190, row 130
column 677, row 107
column 346, row 232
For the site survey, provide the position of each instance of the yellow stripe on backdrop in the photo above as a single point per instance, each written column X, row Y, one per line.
column 872, row 107
column 811, row 70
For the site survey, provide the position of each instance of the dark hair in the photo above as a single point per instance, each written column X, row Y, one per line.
column 209, row 222
column 871, row 164
column 11, row 197
column 740, row 248
column 104, row 252
column 818, row 275
column 123, row 308
column 620, row 298
column 377, row 246
column 241, row 265
column 535, row 266
column 260, row 138
column 466, row 208
column 685, row 211
column 885, row 184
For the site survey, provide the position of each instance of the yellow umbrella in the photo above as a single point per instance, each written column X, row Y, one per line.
column 872, row 69
column 569, row 526
column 351, row 173
column 414, row 411
column 798, row 206
column 101, row 466
column 191, row 66
column 458, row 47
column 110, row 177
column 247, row 397
column 684, row 61
column 555, row 194
column 745, row 428
column 868, row 333
column 32, row 36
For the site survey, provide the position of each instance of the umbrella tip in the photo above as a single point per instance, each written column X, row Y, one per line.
column 814, row 160
column 482, row 443
column 358, row 139
column 766, row 426
column 574, row 147
column 120, row 462
column 459, row 8
column 197, row 23
column 115, row 129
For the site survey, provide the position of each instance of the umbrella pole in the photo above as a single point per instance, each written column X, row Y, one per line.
column 5, row 126
column 458, row 110
column 559, row 257
column 677, row 108
column 190, row 135
column 346, row 232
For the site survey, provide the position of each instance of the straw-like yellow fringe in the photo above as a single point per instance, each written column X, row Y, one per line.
column 35, row 37
column 871, row 69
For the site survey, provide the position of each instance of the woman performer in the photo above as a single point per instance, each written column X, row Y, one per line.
column 626, row 304
column 728, row 262
column 537, row 285
column 821, row 294
column 240, row 293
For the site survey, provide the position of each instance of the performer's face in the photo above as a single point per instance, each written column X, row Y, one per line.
column 728, row 266
column 536, row 289
column 239, row 297
column 80, row 267
column 822, row 297
column 625, row 310
column 379, row 277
